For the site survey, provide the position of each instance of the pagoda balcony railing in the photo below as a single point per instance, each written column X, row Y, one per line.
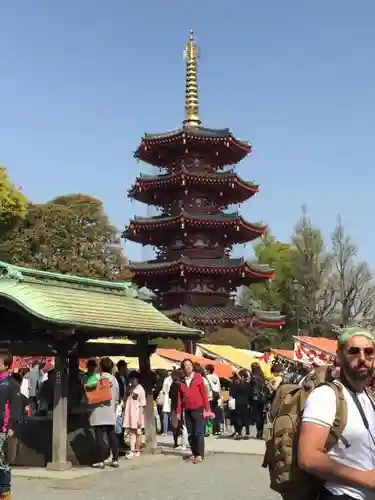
column 199, row 299
column 198, row 253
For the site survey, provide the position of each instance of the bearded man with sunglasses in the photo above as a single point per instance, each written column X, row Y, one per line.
column 348, row 470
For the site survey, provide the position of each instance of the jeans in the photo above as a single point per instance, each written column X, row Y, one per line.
column 5, row 473
column 113, row 442
column 165, row 422
column 160, row 414
column 195, row 427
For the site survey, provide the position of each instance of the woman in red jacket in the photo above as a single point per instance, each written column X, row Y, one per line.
column 193, row 401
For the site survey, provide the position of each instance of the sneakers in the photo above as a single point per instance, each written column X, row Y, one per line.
column 107, row 463
column 132, row 454
column 98, row 465
column 198, row 460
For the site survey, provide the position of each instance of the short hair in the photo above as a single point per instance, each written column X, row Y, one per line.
column 91, row 362
column 210, row 369
column 276, row 368
column 135, row 374
column 122, row 363
column 106, row 365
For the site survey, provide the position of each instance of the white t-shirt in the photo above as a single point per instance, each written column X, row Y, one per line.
column 189, row 379
column 320, row 408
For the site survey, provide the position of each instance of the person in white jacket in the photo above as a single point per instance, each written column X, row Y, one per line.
column 166, row 402
column 215, row 396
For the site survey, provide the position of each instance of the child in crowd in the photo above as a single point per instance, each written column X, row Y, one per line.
column 134, row 420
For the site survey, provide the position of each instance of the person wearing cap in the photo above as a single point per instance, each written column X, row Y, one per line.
column 348, row 468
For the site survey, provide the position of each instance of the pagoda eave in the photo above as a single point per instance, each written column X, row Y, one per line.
column 155, row 192
column 225, row 149
column 153, row 231
column 242, row 275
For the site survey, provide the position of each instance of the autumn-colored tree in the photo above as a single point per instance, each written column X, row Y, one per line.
column 70, row 234
column 13, row 204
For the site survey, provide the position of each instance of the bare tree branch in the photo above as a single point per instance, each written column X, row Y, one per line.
column 353, row 280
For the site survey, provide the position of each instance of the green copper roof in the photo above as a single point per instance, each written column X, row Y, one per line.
column 86, row 303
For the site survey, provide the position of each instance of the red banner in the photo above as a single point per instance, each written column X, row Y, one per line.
column 310, row 355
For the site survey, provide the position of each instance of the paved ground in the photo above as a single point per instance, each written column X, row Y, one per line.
column 223, row 477
column 223, row 444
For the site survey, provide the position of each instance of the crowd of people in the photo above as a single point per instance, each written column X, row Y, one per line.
column 190, row 402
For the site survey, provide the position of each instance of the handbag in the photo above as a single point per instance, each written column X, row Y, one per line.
column 99, row 394
column 215, row 394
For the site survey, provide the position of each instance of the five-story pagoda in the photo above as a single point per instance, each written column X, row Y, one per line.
column 193, row 276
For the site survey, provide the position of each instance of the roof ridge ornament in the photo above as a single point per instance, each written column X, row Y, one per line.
column 9, row 271
column 191, row 55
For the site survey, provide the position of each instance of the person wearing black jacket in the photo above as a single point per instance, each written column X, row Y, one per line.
column 259, row 398
column 177, row 424
column 122, row 376
column 240, row 391
column 11, row 413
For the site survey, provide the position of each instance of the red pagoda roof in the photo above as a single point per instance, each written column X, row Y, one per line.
column 226, row 315
column 153, row 189
column 186, row 265
column 238, row 230
column 220, row 144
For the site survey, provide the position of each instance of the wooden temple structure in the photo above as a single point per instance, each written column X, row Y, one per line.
column 193, row 276
column 51, row 314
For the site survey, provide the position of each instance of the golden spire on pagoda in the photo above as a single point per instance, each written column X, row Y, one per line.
column 191, row 55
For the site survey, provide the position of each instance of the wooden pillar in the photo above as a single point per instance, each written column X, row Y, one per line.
column 190, row 346
column 147, row 381
column 75, row 388
column 60, row 416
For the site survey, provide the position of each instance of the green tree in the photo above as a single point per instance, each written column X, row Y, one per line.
column 227, row 336
column 13, row 204
column 274, row 294
column 70, row 234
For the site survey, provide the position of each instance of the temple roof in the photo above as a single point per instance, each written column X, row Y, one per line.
column 84, row 303
column 219, row 176
column 219, row 217
column 154, row 229
column 153, row 148
column 222, row 314
column 201, row 132
column 224, row 262
column 232, row 187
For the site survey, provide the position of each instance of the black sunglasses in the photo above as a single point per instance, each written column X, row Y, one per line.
column 367, row 351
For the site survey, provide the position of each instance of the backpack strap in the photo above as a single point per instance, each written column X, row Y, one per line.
column 338, row 426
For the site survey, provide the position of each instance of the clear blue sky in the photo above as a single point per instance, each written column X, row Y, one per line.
column 82, row 80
